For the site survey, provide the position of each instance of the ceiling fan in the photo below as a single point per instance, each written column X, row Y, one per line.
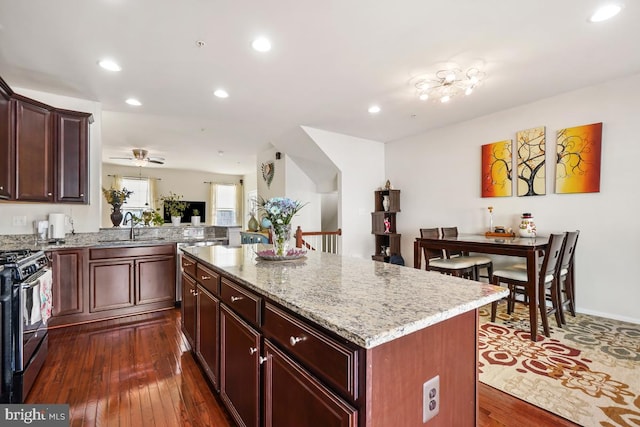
column 141, row 158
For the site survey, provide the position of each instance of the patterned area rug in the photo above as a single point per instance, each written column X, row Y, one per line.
column 587, row 372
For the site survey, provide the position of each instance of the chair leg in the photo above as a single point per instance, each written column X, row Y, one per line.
column 561, row 303
column 570, row 290
column 542, row 305
column 494, row 309
column 556, row 302
column 490, row 272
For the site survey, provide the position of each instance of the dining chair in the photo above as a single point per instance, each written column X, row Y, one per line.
column 436, row 260
column 566, row 284
column 480, row 261
column 517, row 281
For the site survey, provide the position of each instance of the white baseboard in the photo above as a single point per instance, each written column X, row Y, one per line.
column 609, row 316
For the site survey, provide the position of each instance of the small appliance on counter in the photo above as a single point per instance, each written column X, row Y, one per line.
column 41, row 229
column 56, row 227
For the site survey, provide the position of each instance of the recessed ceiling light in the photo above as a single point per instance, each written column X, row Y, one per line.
column 605, row 12
column 261, row 44
column 134, row 102
column 221, row 93
column 109, row 64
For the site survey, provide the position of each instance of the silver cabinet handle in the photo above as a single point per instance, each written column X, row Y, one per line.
column 187, row 264
column 1, row 187
column 295, row 340
column 205, row 277
column 253, row 351
column 262, row 359
column 81, row 194
column 234, row 298
column 49, row 194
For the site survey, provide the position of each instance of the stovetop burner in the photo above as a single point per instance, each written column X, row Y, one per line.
column 13, row 256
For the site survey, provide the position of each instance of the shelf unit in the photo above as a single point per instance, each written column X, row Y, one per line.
column 385, row 239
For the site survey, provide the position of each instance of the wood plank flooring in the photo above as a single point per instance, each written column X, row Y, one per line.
column 139, row 372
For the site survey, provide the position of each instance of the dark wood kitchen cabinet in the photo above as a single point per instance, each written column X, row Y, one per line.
column 307, row 398
column 68, row 291
column 34, row 152
column 97, row 283
column 240, row 358
column 72, row 164
column 201, row 314
column 44, row 151
column 7, row 142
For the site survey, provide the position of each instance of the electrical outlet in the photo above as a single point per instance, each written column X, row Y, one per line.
column 19, row 221
column 430, row 398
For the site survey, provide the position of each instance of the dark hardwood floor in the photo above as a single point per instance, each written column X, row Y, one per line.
column 138, row 372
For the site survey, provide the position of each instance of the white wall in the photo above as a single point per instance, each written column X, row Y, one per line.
column 301, row 188
column 86, row 218
column 190, row 184
column 361, row 164
column 439, row 175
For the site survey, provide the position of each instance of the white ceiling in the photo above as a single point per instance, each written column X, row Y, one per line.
column 331, row 59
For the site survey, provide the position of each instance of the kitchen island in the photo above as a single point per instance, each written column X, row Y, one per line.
column 333, row 340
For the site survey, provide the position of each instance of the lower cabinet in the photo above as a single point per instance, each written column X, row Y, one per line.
column 68, row 282
column 189, row 309
column 295, row 398
column 207, row 334
column 98, row 283
column 240, row 369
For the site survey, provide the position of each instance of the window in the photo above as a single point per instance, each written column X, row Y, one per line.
column 225, row 204
column 139, row 199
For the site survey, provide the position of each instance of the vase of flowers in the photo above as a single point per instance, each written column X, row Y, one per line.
column 280, row 211
column 175, row 206
column 116, row 198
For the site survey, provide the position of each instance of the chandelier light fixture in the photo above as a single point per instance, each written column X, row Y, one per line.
column 447, row 84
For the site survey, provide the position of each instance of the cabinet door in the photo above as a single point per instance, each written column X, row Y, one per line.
column 189, row 309
column 34, row 153
column 111, row 285
column 155, row 279
column 71, row 158
column 7, row 141
column 239, row 368
column 68, row 282
column 295, row 398
column 207, row 341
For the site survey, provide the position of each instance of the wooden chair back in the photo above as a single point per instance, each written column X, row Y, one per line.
column 451, row 232
column 569, row 250
column 430, row 233
column 552, row 256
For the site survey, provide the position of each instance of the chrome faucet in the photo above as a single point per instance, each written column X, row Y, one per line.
column 132, row 235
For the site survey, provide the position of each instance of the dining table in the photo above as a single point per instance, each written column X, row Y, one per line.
column 529, row 248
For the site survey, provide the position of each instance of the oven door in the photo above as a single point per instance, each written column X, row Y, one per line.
column 32, row 328
column 6, row 336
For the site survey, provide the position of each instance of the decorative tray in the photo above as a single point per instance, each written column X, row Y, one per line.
column 490, row 234
column 270, row 255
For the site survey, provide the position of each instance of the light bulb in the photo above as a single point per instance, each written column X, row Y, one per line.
column 445, row 98
column 469, row 91
column 605, row 12
column 424, row 96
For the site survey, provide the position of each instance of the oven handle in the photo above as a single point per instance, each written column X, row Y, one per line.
column 34, row 279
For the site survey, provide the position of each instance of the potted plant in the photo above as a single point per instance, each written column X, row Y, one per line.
column 175, row 206
column 116, row 198
column 195, row 217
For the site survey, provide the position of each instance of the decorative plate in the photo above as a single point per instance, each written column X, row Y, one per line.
column 270, row 255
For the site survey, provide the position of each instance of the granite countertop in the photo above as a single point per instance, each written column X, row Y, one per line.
column 366, row 302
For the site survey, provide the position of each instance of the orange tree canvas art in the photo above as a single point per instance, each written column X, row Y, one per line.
column 497, row 166
column 578, row 159
column 530, row 144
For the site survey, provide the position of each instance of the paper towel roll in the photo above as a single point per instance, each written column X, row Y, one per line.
column 56, row 225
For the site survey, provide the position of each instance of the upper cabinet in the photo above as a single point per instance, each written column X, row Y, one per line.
column 72, row 171
column 7, row 157
column 45, row 151
column 34, row 152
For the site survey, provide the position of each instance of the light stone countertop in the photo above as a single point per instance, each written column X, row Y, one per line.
column 366, row 302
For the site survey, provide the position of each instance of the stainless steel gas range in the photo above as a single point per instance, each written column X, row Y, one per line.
column 25, row 306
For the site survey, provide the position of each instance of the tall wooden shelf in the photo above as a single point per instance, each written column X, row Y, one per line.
column 389, row 239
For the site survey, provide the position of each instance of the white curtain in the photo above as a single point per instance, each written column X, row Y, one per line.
column 153, row 194
column 239, row 200
column 212, row 202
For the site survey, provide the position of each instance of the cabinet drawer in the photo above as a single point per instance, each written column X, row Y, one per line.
column 324, row 356
column 130, row 252
column 242, row 301
column 188, row 266
column 208, row 279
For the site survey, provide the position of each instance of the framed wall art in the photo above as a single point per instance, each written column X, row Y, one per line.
column 497, row 168
column 530, row 146
column 578, row 159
